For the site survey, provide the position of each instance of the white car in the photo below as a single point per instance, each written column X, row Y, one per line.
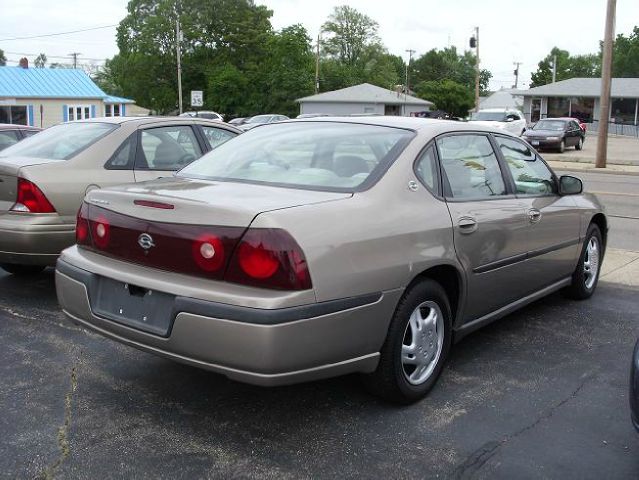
column 508, row 119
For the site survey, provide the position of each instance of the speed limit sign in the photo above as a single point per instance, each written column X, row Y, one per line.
column 197, row 98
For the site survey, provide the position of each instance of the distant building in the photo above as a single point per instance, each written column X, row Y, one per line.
column 363, row 99
column 580, row 98
column 42, row 97
column 504, row 98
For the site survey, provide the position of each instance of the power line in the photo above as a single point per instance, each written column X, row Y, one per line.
column 56, row 34
column 24, row 54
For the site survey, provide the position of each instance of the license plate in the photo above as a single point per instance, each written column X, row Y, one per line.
column 140, row 308
column 535, row 142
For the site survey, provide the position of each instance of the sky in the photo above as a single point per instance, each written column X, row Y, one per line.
column 509, row 31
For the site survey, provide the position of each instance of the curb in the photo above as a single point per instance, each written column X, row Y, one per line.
column 594, row 170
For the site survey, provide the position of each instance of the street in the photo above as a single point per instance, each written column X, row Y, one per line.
column 540, row 393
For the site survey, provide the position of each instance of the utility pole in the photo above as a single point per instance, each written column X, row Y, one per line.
column 474, row 43
column 410, row 58
column 75, row 58
column 317, row 58
column 554, row 68
column 516, row 72
column 178, row 40
column 606, row 71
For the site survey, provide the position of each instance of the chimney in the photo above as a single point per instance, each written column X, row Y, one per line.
column 24, row 63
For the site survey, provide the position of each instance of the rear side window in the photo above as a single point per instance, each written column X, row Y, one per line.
column 168, row 148
column 217, row 136
column 426, row 168
column 471, row 167
column 122, row 159
column 531, row 175
column 61, row 142
column 8, row 138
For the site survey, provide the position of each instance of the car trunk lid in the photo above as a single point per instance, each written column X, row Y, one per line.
column 9, row 173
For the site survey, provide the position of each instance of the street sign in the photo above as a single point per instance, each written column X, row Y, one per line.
column 197, row 98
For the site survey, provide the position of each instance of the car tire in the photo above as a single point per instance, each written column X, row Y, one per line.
column 586, row 275
column 424, row 309
column 580, row 144
column 21, row 270
column 562, row 146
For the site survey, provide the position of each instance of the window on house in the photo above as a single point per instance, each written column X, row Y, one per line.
column 13, row 114
column 112, row 110
column 78, row 112
column 623, row 110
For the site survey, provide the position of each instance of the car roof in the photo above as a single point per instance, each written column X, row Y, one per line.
column 159, row 120
column 432, row 126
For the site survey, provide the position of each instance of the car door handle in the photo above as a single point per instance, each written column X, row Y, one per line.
column 534, row 215
column 467, row 225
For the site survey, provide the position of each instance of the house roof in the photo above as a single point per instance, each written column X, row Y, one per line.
column 585, row 87
column 365, row 93
column 506, row 98
column 18, row 82
column 114, row 99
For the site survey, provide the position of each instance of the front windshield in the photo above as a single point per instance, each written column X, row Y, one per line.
column 318, row 155
column 488, row 116
column 60, row 142
column 557, row 125
column 259, row 119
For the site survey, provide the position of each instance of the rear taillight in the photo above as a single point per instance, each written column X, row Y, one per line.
column 100, row 232
column 82, row 226
column 269, row 258
column 259, row 257
column 30, row 199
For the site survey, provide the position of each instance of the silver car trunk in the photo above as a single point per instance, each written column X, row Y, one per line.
column 200, row 202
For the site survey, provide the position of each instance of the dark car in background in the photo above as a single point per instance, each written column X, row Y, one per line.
column 262, row 120
column 238, row 121
column 556, row 133
column 11, row 134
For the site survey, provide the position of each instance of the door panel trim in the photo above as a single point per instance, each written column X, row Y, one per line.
column 524, row 256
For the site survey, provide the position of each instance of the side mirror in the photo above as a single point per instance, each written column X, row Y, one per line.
column 569, row 185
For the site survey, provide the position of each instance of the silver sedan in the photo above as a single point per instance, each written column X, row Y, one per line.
column 313, row 248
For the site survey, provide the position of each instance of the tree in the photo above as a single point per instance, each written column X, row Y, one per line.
column 3, row 59
column 350, row 32
column 447, row 95
column 625, row 57
column 567, row 67
column 40, row 61
column 448, row 64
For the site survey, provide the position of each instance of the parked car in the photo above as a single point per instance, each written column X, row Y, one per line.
column 262, row 120
column 11, row 134
column 313, row 115
column 556, row 133
column 203, row 114
column 581, row 124
column 634, row 387
column 314, row 248
column 44, row 178
column 238, row 121
column 506, row 119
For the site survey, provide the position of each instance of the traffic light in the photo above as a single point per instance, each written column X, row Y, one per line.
column 473, row 42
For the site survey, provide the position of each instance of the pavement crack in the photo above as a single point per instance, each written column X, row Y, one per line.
column 478, row 458
column 63, row 431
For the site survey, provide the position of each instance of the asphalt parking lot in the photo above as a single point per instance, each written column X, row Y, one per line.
column 540, row 394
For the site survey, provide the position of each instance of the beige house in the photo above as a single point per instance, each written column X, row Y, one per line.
column 42, row 97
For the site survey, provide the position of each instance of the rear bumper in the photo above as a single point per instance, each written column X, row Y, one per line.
column 28, row 243
column 260, row 346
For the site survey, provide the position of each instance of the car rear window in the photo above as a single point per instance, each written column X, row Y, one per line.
column 61, row 142
column 331, row 156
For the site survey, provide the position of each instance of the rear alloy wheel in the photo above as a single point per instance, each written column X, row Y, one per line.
column 586, row 275
column 580, row 144
column 416, row 347
column 21, row 270
column 562, row 146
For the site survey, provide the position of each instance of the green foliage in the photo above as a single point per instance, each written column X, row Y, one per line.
column 349, row 34
column 448, row 64
column 40, row 61
column 625, row 58
column 447, row 95
column 3, row 59
column 568, row 66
